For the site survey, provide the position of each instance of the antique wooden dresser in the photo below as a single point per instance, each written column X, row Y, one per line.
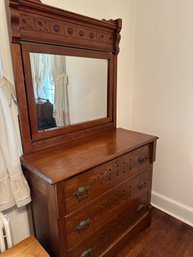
column 90, row 181
column 91, row 197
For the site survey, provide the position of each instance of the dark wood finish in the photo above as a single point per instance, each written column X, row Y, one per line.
column 166, row 237
column 21, row 98
column 105, row 177
column 112, row 209
column 54, row 30
column 61, row 162
column 136, row 227
column 115, row 229
column 91, row 182
column 37, row 22
column 39, row 191
column 95, row 193
column 38, row 134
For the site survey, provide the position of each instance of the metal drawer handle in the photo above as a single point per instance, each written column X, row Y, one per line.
column 141, row 207
column 142, row 185
column 143, row 159
column 83, row 225
column 81, row 191
column 86, row 253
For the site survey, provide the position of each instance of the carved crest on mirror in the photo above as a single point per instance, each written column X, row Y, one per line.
column 78, row 97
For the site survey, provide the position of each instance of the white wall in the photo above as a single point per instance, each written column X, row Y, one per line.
column 163, row 98
column 87, row 91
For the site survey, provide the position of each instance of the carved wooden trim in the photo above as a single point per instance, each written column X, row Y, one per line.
column 118, row 35
column 31, row 20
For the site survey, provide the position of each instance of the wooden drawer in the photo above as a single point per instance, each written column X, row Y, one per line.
column 81, row 225
column 116, row 227
column 89, row 185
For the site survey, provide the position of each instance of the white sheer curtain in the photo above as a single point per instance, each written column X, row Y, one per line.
column 47, row 68
column 14, row 189
column 39, row 66
column 60, row 78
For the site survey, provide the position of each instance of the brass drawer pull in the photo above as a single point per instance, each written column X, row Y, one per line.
column 86, row 253
column 142, row 185
column 81, row 191
column 143, row 159
column 83, row 225
column 141, row 207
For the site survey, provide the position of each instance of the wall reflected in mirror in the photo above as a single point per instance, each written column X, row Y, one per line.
column 68, row 90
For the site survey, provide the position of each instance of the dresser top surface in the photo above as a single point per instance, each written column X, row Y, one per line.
column 62, row 162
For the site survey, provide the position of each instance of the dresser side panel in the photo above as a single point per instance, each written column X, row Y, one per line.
column 43, row 209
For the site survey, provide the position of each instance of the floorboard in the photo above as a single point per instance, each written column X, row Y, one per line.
column 166, row 237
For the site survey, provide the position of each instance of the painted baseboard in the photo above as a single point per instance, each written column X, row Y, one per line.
column 173, row 208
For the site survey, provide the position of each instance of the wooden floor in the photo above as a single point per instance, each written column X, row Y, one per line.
column 166, row 237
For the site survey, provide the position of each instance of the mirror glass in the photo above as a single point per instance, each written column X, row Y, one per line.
column 68, row 90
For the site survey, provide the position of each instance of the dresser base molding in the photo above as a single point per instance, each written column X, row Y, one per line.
column 136, row 228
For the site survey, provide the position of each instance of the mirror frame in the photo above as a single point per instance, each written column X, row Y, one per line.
column 36, row 27
column 39, row 134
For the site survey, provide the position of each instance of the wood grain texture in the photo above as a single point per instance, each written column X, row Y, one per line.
column 90, row 182
column 107, row 242
column 40, row 25
column 104, row 203
column 119, row 208
column 64, row 161
column 47, row 49
column 166, row 237
column 21, row 97
column 103, row 178
column 29, row 247
column 30, row 20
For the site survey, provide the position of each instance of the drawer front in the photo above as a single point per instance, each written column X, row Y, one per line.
column 115, row 228
column 89, row 185
column 81, row 225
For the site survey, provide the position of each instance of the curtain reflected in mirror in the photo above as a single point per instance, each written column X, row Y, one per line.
column 68, row 90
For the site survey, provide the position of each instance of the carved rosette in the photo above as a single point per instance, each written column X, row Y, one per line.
column 67, row 30
column 27, row 23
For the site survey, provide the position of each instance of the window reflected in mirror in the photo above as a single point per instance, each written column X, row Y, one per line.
column 68, row 90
